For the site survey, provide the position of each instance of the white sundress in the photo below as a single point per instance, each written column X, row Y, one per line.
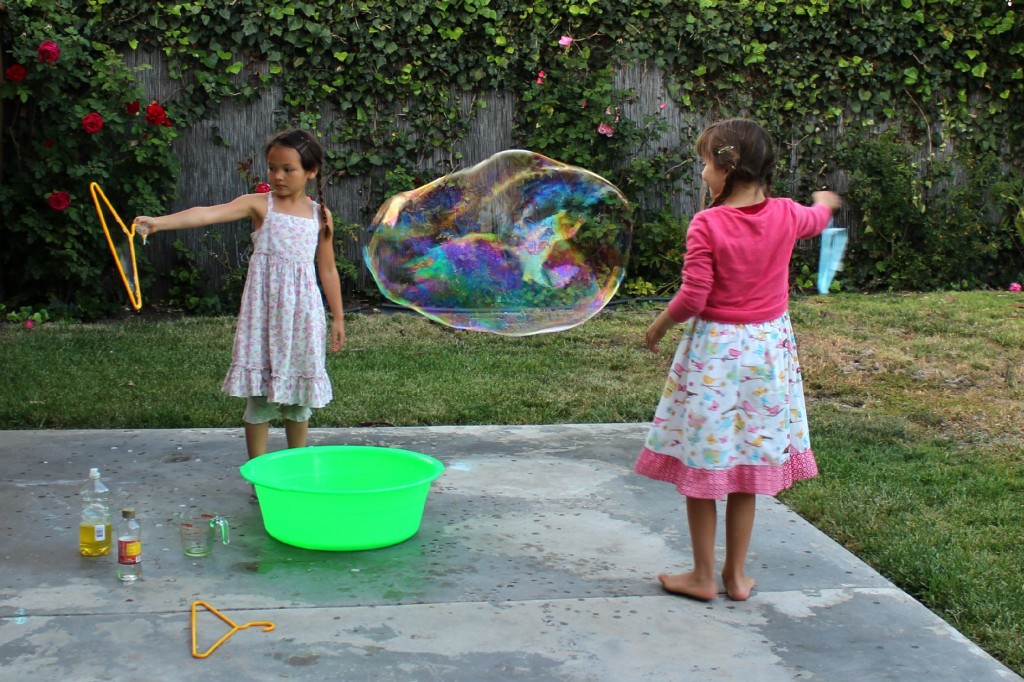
column 280, row 342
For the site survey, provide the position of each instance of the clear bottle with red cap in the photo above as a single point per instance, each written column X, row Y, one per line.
column 129, row 547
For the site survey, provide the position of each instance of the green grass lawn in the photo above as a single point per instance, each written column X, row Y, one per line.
column 915, row 403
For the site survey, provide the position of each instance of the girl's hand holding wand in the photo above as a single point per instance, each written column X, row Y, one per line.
column 830, row 199
column 144, row 226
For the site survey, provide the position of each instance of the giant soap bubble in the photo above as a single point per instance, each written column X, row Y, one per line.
column 518, row 244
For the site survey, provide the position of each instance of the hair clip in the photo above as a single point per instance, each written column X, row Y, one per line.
column 724, row 149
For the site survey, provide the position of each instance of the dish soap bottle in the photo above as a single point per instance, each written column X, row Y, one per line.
column 94, row 527
column 129, row 547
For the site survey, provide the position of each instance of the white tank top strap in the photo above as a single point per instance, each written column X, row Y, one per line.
column 270, row 202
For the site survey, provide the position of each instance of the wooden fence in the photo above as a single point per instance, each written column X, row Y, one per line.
column 208, row 173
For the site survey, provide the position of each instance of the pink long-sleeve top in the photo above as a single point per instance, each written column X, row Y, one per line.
column 736, row 268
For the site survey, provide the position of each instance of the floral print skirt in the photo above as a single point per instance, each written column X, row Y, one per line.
column 731, row 418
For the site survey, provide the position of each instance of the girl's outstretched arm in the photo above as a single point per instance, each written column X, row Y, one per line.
column 331, row 283
column 245, row 206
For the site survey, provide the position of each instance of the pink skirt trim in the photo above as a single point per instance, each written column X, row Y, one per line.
column 714, row 484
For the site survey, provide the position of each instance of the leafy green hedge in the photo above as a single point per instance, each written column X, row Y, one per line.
column 943, row 78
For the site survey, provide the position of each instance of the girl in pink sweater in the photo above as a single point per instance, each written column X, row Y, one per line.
column 731, row 421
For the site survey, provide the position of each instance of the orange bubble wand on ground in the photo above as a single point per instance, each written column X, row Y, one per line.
column 267, row 627
column 134, row 292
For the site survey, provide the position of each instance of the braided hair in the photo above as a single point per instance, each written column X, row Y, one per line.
column 311, row 155
column 742, row 150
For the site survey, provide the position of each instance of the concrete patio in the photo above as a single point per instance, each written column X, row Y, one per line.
column 536, row 560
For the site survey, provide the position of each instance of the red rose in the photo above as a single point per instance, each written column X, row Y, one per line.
column 48, row 52
column 47, row 143
column 132, row 108
column 92, row 123
column 263, row 188
column 59, row 200
column 15, row 72
column 155, row 114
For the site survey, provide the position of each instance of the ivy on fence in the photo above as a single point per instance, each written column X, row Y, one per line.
column 942, row 79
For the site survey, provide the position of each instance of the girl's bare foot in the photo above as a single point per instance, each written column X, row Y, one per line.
column 738, row 588
column 689, row 585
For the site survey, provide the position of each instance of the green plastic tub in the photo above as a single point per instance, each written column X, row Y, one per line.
column 342, row 497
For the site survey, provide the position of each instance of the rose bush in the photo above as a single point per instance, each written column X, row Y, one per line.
column 70, row 117
column 572, row 113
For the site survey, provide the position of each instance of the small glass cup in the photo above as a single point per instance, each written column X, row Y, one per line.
column 197, row 531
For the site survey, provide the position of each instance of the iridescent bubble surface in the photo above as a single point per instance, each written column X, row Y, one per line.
column 518, row 244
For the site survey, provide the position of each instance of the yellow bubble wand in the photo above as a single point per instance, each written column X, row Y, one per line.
column 266, row 625
column 134, row 293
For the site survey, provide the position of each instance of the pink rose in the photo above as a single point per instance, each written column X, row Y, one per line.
column 15, row 73
column 29, row 324
column 92, row 123
column 565, row 41
column 263, row 188
column 48, row 52
column 59, row 201
column 1015, row 287
column 606, row 129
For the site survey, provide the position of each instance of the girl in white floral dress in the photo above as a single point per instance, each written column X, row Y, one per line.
column 731, row 421
column 278, row 361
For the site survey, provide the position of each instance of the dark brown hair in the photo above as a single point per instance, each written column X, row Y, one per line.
column 311, row 156
column 742, row 150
